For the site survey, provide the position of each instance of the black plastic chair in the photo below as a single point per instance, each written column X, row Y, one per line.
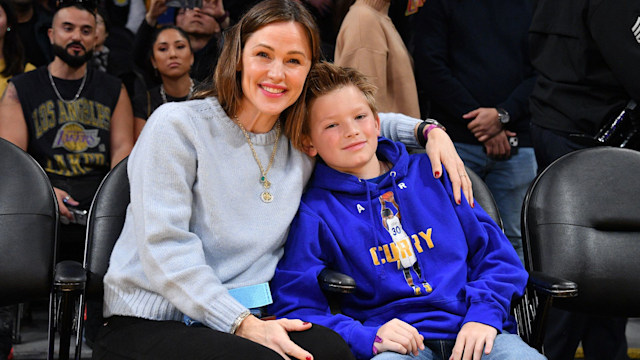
column 28, row 221
column 104, row 225
column 581, row 222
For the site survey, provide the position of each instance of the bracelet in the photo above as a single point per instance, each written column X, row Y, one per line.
column 236, row 323
column 378, row 339
column 430, row 124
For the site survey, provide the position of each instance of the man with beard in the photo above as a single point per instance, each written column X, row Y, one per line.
column 203, row 24
column 75, row 121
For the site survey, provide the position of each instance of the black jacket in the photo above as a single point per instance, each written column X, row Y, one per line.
column 587, row 54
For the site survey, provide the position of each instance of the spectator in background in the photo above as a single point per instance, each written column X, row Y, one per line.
column 12, row 59
column 101, row 52
column 475, row 70
column 171, row 55
column 369, row 42
column 586, row 54
column 33, row 24
column 77, row 125
column 203, row 25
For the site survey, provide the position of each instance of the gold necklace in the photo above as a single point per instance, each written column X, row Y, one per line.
column 265, row 196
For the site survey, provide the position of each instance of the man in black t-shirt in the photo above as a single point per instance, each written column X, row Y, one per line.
column 75, row 121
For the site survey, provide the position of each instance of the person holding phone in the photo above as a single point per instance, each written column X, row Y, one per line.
column 202, row 22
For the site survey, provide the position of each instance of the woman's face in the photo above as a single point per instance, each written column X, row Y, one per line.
column 171, row 54
column 275, row 62
column 3, row 23
column 101, row 31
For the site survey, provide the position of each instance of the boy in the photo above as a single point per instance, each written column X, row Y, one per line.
column 436, row 282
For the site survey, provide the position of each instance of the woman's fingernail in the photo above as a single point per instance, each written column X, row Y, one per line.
column 308, row 357
column 305, row 322
column 458, row 202
column 378, row 339
column 437, row 173
column 473, row 204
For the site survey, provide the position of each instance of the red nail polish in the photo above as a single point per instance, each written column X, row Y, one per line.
column 305, row 323
column 437, row 173
column 458, row 202
column 308, row 357
column 473, row 205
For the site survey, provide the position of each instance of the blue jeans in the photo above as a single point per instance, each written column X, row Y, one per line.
column 505, row 347
column 508, row 181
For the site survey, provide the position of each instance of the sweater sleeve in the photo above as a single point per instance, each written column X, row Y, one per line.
column 162, row 172
column 432, row 65
column 495, row 273
column 399, row 127
column 296, row 292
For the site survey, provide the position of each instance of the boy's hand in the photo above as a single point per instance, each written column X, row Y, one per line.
column 472, row 338
column 400, row 337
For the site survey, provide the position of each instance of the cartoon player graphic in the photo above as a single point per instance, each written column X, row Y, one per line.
column 407, row 260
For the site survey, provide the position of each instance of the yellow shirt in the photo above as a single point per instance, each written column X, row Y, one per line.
column 4, row 80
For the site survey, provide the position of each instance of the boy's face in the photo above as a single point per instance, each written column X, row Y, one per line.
column 344, row 132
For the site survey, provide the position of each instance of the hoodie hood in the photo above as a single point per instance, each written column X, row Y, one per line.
column 329, row 179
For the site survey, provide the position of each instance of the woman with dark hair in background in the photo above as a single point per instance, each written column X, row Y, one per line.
column 12, row 59
column 171, row 56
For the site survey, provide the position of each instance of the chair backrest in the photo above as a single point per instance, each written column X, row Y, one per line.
column 482, row 195
column 106, row 219
column 581, row 222
column 28, row 220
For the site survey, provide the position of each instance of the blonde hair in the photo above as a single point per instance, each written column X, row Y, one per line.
column 227, row 79
column 324, row 78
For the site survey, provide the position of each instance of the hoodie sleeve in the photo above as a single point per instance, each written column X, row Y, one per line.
column 296, row 292
column 495, row 273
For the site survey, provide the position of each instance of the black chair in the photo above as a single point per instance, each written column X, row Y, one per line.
column 28, row 221
column 104, row 225
column 581, row 222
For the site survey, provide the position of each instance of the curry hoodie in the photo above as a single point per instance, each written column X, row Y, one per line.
column 463, row 268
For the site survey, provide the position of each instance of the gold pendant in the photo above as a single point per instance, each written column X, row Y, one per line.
column 266, row 197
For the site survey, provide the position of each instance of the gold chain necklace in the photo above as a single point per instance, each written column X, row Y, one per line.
column 265, row 196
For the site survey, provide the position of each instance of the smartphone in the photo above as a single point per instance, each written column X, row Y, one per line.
column 189, row 4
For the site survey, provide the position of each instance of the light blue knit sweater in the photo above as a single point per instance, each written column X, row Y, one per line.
column 196, row 226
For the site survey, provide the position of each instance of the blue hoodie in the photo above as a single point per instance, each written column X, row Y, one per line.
column 466, row 269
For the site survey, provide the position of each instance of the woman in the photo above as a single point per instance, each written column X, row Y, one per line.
column 12, row 59
column 214, row 187
column 171, row 57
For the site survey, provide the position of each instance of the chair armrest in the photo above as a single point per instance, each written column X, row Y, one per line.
column 552, row 286
column 69, row 275
column 336, row 282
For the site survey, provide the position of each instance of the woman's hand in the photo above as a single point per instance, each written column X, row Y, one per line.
column 273, row 334
column 63, row 199
column 156, row 8
column 472, row 338
column 441, row 151
column 398, row 336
